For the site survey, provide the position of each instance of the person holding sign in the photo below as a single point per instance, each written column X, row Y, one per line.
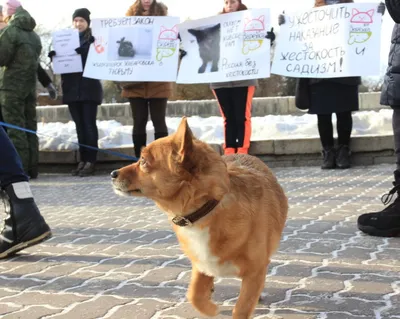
column 83, row 95
column 145, row 96
column 235, row 100
column 20, row 48
column 325, row 96
column 386, row 223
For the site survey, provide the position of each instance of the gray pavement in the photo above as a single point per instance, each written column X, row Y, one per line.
column 114, row 257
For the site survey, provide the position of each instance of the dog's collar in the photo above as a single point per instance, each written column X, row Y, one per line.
column 188, row 220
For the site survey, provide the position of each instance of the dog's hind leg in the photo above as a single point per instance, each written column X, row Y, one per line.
column 200, row 291
column 214, row 67
column 250, row 292
column 203, row 67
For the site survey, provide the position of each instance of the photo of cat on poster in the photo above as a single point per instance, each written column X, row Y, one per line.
column 134, row 43
column 208, row 40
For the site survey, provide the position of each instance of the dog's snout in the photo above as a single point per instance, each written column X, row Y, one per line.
column 114, row 174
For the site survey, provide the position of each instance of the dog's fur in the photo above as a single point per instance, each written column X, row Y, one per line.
column 208, row 40
column 181, row 173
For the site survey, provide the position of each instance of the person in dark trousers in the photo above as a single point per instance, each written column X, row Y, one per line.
column 235, row 101
column 386, row 223
column 24, row 226
column 83, row 96
column 147, row 96
column 332, row 95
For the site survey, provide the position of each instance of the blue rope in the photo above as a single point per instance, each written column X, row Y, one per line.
column 128, row 157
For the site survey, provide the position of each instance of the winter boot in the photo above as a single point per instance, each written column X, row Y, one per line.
column 76, row 171
column 385, row 223
column 343, row 157
column 159, row 135
column 328, row 158
column 87, row 170
column 24, row 226
column 139, row 141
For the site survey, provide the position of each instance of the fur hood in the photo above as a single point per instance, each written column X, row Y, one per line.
column 320, row 3
column 157, row 9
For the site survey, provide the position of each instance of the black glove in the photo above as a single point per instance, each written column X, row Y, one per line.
column 91, row 39
column 79, row 50
column 52, row 91
column 381, row 8
column 281, row 18
column 271, row 35
column 182, row 53
column 51, row 54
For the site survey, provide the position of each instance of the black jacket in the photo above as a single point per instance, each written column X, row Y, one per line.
column 43, row 77
column 390, row 94
column 393, row 7
column 77, row 88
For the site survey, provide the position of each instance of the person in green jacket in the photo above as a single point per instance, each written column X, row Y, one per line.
column 20, row 48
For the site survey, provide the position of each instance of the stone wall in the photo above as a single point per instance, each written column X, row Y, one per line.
column 205, row 108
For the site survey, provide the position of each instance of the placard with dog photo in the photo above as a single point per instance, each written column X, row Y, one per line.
column 226, row 47
column 139, row 48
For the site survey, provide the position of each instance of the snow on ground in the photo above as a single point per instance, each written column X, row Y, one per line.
column 112, row 134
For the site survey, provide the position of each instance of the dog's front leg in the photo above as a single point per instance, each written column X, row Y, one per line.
column 250, row 291
column 200, row 291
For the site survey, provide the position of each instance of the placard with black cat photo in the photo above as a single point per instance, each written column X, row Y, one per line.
column 228, row 47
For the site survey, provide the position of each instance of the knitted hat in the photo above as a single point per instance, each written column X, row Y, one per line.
column 9, row 7
column 82, row 13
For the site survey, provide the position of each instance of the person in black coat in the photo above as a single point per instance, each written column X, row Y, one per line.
column 83, row 96
column 324, row 97
column 386, row 223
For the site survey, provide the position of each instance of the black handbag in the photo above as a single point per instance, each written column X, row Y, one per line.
column 302, row 97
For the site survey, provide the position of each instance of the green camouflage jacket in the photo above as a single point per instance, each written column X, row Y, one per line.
column 20, row 49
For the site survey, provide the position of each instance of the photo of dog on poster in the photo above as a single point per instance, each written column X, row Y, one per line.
column 208, row 40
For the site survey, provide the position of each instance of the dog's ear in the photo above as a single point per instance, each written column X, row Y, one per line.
column 183, row 139
column 193, row 32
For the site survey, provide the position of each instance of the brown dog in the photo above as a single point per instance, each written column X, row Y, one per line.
column 228, row 212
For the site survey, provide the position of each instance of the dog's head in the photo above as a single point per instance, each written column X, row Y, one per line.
column 208, row 36
column 177, row 172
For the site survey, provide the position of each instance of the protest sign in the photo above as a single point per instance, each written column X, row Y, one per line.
column 139, row 48
column 330, row 41
column 227, row 47
column 66, row 59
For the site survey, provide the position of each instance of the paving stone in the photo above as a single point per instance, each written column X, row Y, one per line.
column 114, row 257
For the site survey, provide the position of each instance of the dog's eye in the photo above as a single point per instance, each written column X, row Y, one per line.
column 143, row 161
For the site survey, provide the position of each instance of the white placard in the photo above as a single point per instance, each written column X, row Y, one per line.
column 227, row 47
column 134, row 49
column 330, row 41
column 64, row 44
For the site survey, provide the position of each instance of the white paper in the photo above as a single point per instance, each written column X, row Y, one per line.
column 134, row 49
column 66, row 59
column 331, row 41
column 235, row 47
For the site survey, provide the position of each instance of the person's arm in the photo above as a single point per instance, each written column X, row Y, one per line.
column 45, row 80
column 393, row 7
column 7, row 47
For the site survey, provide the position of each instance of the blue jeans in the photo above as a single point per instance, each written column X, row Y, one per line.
column 11, row 170
column 84, row 115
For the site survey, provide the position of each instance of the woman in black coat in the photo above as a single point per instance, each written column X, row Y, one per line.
column 83, row 95
column 332, row 95
column 386, row 223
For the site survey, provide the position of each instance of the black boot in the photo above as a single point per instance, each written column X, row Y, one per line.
column 328, row 160
column 160, row 135
column 87, row 170
column 33, row 172
column 343, row 157
column 139, row 141
column 385, row 223
column 24, row 226
column 75, row 172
